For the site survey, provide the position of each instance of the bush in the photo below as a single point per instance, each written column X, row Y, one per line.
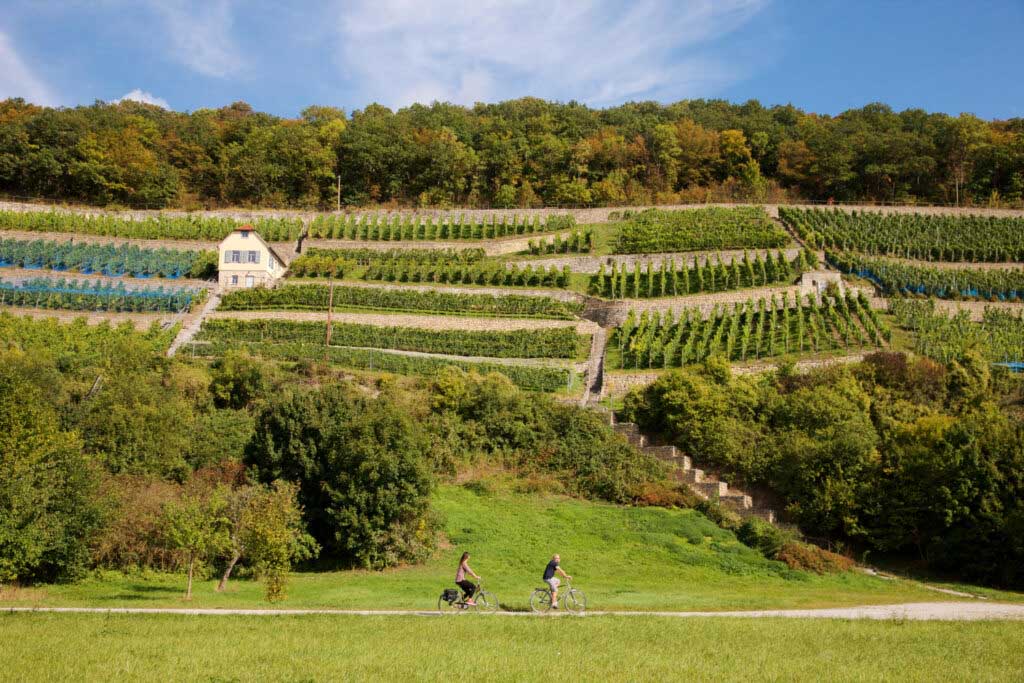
column 363, row 481
column 811, row 558
column 762, row 536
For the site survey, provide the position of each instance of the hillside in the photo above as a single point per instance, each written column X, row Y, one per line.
column 622, row 557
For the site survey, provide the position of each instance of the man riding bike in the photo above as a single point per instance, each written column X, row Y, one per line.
column 549, row 577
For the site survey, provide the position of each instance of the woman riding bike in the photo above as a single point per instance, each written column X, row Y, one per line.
column 467, row 586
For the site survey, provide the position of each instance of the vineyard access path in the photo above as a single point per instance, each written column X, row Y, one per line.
column 912, row 611
column 191, row 328
column 496, row 246
column 426, row 322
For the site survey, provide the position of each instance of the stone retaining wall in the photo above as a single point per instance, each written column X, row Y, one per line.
column 592, row 264
column 582, row 215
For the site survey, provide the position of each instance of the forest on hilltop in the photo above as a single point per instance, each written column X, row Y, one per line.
column 520, row 153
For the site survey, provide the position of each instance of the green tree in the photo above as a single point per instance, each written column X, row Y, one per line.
column 360, row 469
column 197, row 527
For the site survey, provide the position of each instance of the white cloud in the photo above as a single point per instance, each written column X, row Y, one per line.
column 17, row 80
column 596, row 51
column 139, row 95
column 200, row 35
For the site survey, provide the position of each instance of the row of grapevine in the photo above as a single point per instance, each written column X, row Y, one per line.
column 468, row 267
column 668, row 280
column 161, row 226
column 407, row 227
column 105, row 259
column 316, row 297
column 945, row 283
column 576, row 243
column 533, row 378
column 999, row 337
column 913, row 236
column 556, row 342
column 77, row 343
column 748, row 331
column 657, row 230
column 72, row 295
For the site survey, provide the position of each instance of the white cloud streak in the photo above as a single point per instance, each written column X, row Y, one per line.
column 139, row 95
column 17, row 80
column 595, row 51
column 200, row 35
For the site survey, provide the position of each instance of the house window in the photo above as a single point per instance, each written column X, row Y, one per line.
column 273, row 263
column 233, row 257
column 254, row 257
column 245, row 234
column 234, row 279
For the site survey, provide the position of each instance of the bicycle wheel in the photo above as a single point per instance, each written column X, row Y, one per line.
column 446, row 607
column 540, row 601
column 486, row 602
column 574, row 602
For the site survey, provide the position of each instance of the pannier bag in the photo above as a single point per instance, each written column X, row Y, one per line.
column 450, row 594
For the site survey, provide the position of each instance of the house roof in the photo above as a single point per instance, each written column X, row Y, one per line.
column 248, row 228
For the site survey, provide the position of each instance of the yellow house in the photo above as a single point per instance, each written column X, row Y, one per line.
column 245, row 260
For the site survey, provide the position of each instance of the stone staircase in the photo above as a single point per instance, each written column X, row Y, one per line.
column 703, row 484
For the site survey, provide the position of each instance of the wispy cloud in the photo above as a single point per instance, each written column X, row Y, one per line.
column 139, row 95
column 596, row 51
column 200, row 35
column 17, row 80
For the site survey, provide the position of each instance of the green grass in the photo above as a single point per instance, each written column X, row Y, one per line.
column 308, row 648
column 623, row 558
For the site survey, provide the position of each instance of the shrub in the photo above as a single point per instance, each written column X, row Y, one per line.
column 811, row 558
column 762, row 536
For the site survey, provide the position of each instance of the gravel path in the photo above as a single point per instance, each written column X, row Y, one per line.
column 492, row 247
column 914, row 611
column 592, row 264
column 557, row 294
column 191, row 327
column 141, row 321
column 426, row 322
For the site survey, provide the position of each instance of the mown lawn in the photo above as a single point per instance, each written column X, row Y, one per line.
column 623, row 558
column 319, row 648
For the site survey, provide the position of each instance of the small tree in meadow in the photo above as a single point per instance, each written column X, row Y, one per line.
column 265, row 527
column 198, row 528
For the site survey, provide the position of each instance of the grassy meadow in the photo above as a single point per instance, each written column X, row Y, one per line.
column 624, row 559
column 321, row 647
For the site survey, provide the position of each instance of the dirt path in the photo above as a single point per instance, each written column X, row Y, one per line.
column 913, row 611
column 595, row 368
column 426, row 322
column 557, row 294
column 141, row 321
column 592, row 264
column 492, row 247
column 190, row 328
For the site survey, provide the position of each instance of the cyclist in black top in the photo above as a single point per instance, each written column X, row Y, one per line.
column 549, row 577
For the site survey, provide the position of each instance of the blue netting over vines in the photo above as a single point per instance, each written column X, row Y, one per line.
column 94, row 296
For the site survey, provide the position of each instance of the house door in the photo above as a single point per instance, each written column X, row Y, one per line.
column 249, row 281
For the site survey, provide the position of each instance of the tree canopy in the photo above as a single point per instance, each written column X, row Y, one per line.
column 519, row 153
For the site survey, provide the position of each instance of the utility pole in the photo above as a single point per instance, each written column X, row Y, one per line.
column 339, row 192
column 330, row 305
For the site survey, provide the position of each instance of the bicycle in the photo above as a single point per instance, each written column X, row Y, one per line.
column 573, row 600
column 451, row 601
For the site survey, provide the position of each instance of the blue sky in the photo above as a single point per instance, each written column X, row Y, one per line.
column 281, row 55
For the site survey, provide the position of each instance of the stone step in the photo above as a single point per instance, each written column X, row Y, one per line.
column 712, row 488
column 693, row 476
column 737, row 501
column 767, row 514
column 669, row 454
